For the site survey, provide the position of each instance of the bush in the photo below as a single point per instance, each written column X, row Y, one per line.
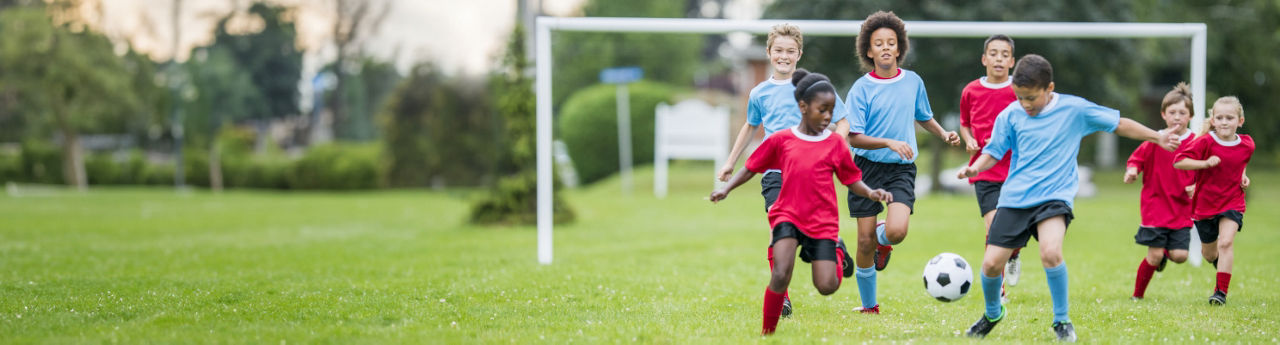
column 336, row 166
column 589, row 127
column 515, row 202
column 10, row 167
column 41, row 163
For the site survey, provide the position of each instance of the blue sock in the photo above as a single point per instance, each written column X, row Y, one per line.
column 867, row 286
column 1057, row 278
column 880, row 236
column 991, row 295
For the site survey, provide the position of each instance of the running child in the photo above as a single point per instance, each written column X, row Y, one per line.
column 884, row 106
column 1165, row 205
column 1043, row 130
column 806, row 213
column 1217, row 203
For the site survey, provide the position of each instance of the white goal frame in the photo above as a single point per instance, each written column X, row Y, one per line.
column 1197, row 32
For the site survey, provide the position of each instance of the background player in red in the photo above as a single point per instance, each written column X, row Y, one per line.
column 806, row 213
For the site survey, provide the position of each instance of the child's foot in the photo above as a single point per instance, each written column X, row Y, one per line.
column 1065, row 331
column 786, row 306
column 984, row 325
column 1004, row 296
column 1165, row 260
column 1218, row 298
column 1135, row 299
column 1012, row 270
column 872, row 310
column 848, row 260
column 881, row 258
column 1214, row 262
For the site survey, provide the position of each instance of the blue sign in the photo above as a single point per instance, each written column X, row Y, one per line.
column 621, row 75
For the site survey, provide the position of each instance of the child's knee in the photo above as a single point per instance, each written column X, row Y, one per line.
column 1178, row 257
column 1224, row 245
column 992, row 267
column 1050, row 258
column 867, row 245
column 827, row 287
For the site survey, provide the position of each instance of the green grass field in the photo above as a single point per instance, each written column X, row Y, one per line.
column 156, row 266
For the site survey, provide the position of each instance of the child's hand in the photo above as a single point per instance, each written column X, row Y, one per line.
column 1130, row 175
column 1244, row 182
column 881, row 195
column 972, row 147
column 1191, row 191
column 902, row 148
column 951, row 137
column 725, row 172
column 1212, row 161
column 1170, row 140
column 718, row 195
column 967, row 172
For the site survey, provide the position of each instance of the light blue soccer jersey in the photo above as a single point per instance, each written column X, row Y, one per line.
column 773, row 104
column 1043, row 167
column 888, row 108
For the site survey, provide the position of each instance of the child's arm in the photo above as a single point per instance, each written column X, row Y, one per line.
column 970, row 143
column 842, row 128
column 1244, row 179
column 867, row 142
column 861, row 188
column 740, row 144
column 1130, row 174
column 1134, row 130
column 984, row 162
column 741, row 177
column 1137, row 160
column 1195, row 164
column 932, row 126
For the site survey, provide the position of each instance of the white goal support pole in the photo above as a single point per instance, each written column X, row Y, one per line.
column 1197, row 32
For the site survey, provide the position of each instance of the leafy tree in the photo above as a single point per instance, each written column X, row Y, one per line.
column 365, row 89
column 436, row 131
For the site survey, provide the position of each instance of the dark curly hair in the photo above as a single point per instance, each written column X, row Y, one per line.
column 875, row 21
column 809, row 84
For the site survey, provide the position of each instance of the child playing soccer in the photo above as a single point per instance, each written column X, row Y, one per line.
column 884, row 106
column 1165, row 206
column 806, row 212
column 772, row 104
column 1043, row 130
column 1217, row 203
column 980, row 102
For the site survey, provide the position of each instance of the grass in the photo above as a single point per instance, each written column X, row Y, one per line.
column 155, row 266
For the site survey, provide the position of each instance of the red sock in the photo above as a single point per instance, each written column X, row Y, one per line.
column 840, row 266
column 1224, row 279
column 1145, row 270
column 772, row 310
column 1015, row 253
column 784, row 293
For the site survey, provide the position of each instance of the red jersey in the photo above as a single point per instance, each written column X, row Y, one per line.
column 1218, row 188
column 1164, row 201
column 980, row 103
column 808, row 196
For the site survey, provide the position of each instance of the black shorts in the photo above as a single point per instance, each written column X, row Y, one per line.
column 810, row 248
column 1166, row 238
column 897, row 179
column 770, row 185
column 1208, row 228
column 988, row 193
column 1014, row 226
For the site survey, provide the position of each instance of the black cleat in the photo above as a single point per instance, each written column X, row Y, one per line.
column 1164, row 261
column 1065, row 331
column 984, row 325
column 1218, row 298
column 786, row 307
column 1214, row 262
column 848, row 260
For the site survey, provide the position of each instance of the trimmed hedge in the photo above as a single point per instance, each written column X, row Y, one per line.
column 589, row 127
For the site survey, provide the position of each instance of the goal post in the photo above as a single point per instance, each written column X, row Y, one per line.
column 1197, row 32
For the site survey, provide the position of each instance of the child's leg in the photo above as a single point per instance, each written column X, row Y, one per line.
column 1227, row 230
column 865, row 273
column 993, row 260
column 1178, row 255
column 826, row 276
column 784, row 261
column 1146, row 269
column 895, row 224
column 1050, row 234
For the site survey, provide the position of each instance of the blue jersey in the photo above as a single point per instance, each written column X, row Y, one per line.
column 773, row 104
column 1043, row 167
column 889, row 109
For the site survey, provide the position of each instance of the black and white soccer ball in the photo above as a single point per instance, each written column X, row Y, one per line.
column 947, row 277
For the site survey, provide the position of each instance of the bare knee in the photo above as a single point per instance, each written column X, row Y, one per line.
column 779, row 280
column 1225, row 245
column 827, row 287
column 991, row 268
column 895, row 234
column 1178, row 256
column 866, row 245
column 1050, row 258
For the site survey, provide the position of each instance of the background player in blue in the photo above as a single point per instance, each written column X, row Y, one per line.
column 1044, row 130
column 884, row 106
column 772, row 105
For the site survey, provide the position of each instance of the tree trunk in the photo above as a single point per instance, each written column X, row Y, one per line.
column 73, row 173
column 215, row 167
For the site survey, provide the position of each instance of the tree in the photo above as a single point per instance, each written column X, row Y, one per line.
column 356, row 20
column 62, row 73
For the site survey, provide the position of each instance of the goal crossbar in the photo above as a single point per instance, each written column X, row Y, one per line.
column 1197, row 32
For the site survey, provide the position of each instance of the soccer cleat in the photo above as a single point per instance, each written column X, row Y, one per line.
column 786, row 307
column 848, row 260
column 1218, row 298
column 882, row 256
column 984, row 325
column 1214, row 262
column 872, row 310
column 1012, row 270
column 1065, row 331
column 1135, row 299
column 1164, row 261
column 1004, row 296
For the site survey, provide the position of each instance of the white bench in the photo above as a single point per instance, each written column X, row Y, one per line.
column 691, row 129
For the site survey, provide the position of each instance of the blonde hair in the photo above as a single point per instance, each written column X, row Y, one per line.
column 785, row 30
column 1227, row 101
column 1180, row 93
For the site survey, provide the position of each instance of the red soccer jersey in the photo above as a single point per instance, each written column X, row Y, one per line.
column 1164, row 200
column 980, row 103
column 1218, row 188
column 808, row 196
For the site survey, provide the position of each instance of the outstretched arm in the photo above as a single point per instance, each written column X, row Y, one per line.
column 983, row 163
column 1195, row 164
column 740, row 144
column 741, row 177
column 1134, row 130
column 932, row 126
column 861, row 188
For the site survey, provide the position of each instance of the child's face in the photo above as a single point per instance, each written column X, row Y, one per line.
column 784, row 54
column 1226, row 121
column 1033, row 99
column 1176, row 114
column 998, row 58
column 884, row 48
column 816, row 113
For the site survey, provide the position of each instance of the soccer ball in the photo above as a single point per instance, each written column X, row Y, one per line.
column 947, row 277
